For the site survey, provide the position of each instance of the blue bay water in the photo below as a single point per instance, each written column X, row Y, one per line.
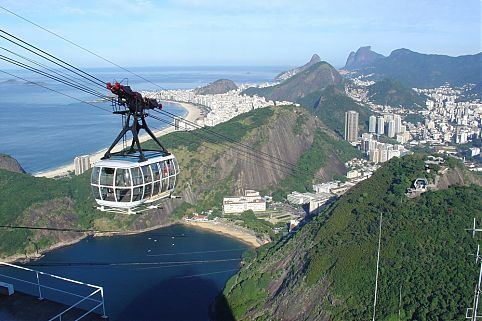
column 44, row 130
column 181, row 288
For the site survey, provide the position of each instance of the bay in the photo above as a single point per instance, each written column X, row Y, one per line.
column 172, row 274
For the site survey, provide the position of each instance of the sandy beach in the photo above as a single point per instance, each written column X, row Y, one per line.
column 228, row 230
column 193, row 114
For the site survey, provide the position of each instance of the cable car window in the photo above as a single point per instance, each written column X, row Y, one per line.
column 107, row 194
column 122, row 177
column 107, row 176
column 171, row 167
column 164, row 185
column 95, row 191
column 123, row 194
column 155, row 172
column 172, row 182
column 156, row 188
column 137, row 194
column 146, row 172
column 147, row 190
column 95, row 176
column 164, row 170
column 136, row 176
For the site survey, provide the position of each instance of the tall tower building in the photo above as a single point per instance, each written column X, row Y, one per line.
column 398, row 123
column 351, row 126
column 391, row 128
column 381, row 125
column 372, row 124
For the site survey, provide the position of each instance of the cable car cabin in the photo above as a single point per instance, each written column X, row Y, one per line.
column 121, row 184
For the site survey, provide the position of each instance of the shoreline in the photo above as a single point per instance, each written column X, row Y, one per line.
column 217, row 228
column 226, row 230
column 193, row 114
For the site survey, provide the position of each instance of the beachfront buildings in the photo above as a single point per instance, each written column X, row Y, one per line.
column 250, row 201
column 81, row 164
column 221, row 107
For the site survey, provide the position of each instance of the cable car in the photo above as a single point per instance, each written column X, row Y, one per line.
column 119, row 183
column 134, row 179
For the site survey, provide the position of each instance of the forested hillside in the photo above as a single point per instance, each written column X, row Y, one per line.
column 326, row 271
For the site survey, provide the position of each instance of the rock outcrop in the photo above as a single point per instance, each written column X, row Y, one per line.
column 10, row 164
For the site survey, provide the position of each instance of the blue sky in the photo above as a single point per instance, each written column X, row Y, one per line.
column 249, row 32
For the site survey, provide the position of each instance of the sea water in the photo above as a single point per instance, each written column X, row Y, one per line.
column 44, row 129
column 170, row 274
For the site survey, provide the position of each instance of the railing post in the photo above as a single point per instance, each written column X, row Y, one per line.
column 39, row 288
column 103, row 306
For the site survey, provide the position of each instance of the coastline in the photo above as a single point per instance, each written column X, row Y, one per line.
column 193, row 114
column 214, row 227
column 227, row 230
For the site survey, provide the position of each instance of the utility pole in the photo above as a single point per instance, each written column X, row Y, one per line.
column 378, row 263
column 400, row 303
column 472, row 313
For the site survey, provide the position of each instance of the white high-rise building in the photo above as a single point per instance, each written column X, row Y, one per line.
column 351, row 126
column 81, row 163
column 372, row 124
column 398, row 123
column 381, row 125
column 391, row 128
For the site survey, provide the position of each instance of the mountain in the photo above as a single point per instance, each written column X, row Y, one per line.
column 290, row 73
column 326, row 270
column 210, row 169
column 394, row 93
column 419, row 70
column 220, row 86
column 362, row 57
column 308, row 81
column 320, row 88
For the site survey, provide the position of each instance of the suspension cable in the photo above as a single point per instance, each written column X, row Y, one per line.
column 62, row 63
column 45, row 74
column 53, row 90
column 60, row 74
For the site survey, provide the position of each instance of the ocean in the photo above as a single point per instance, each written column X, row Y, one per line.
column 170, row 274
column 44, row 130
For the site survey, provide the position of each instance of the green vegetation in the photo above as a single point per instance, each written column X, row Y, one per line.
column 311, row 161
column 393, row 93
column 331, row 107
column 253, row 223
column 424, row 251
column 414, row 118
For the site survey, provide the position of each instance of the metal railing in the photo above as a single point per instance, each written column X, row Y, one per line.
column 37, row 284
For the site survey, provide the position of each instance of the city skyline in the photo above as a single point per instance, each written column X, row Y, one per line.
column 196, row 33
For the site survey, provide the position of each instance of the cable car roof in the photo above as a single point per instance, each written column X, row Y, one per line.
column 131, row 160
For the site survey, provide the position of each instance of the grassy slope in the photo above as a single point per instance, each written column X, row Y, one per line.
column 424, row 249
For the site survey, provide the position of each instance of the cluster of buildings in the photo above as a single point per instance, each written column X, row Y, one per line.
column 377, row 152
column 250, row 201
column 358, row 170
column 222, row 107
column 448, row 120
